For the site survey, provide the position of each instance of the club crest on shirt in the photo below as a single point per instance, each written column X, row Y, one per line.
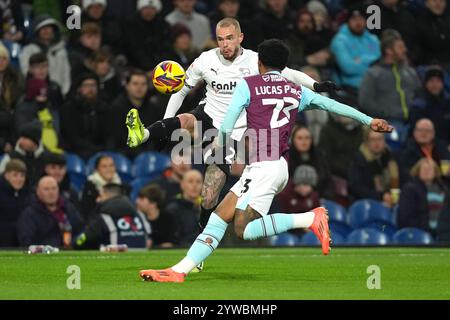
column 266, row 78
column 245, row 71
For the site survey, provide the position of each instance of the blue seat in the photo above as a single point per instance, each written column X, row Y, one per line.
column 76, row 169
column 382, row 226
column 284, row 239
column 151, row 163
column 368, row 210
column 124, row 166
column 397, row 138
column 336, row 212
column 136, row 186
column 310, row 239
column 15, row 49
column 412, row 236
column 340, row 227
column 338, row 239
column 368, row 237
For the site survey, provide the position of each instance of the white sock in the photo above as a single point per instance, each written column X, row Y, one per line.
column 146, row 135
column 184, row 266
column 303, row 220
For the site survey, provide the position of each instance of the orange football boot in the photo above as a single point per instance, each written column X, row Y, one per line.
column 166, row 275
column 321, row 229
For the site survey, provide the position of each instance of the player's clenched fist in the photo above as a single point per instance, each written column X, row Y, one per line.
column 381, row 125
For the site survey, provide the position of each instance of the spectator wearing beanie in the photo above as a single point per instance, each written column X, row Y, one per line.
column 42, row 101
column 147, row 36
column 13, row 199
column 46, row 38
column 11, row 90
column 182, row 43
column 433, row 102
column 86, row 119
column 30, row 149
column 300, row 194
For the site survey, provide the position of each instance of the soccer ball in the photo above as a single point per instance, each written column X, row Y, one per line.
column 168, row 77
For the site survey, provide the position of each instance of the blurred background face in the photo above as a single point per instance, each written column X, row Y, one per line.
column 91, row 41
column 389, row 3
column 46, row 34
column 424, row 132
column 88, row 89
column 96, row 11
column 185, row 6
column 375, row 142
column 180, row 166
column 137, row 87
column 426, row 172
column 302, row 140
column 303, row 190
column 143, row 204
column 27, row 144
column 102, row 68
column 357, row 24
column 39, row 70
column 434, row 85
column 4, row 62
column 148, row 13
column 399, row 51
column 305, row 24
column 229, row 41
column 56, row 171
column 229, row 8
column 436, row 6
column 106, row 168
column 183, row 42
column 15, row 179
column 48, row 191
column 191, row 185
column 277, row 6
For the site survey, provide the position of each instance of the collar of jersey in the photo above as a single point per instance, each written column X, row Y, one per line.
column 273, row 72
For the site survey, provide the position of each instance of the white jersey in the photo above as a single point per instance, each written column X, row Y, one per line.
column 221, row 77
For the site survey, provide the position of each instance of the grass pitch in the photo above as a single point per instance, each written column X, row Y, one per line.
column 266, row 273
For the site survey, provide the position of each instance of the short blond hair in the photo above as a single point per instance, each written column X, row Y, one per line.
column 416, row 168
column 226, row 22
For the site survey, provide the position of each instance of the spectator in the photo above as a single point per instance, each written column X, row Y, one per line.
column 46, row 38
column 275, row 21
column 321, row 18
column 303, row 152
column 423, row 198
column 433, row 103
column 224, row 9
column 104, row 173
column 199, row 25
column 307, row 46
column 300, row 195
column 354, row 49
column 434, row 33
column 171, row 178
column 11, row 21
column 13, row 199
column 56, row 167
column 147, row 36
column 182, row 45
column 374, row 171
column 339, row 141
column 95, row 11
column 388, row 88
column 423, row 145
column 42, row 101
column 84, row 48
column 395, row 15
column 116, row 222
column 85, row 119
column 49, row 219
column 150, row 202
column 11, row 88
column 185, row 208
column 30, row 149
column 109, row 82
column 135, row 96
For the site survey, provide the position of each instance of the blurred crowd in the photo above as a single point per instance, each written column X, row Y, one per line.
column 67, row 92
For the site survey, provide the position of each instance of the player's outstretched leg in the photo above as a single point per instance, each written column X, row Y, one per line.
column 269, row 225
column 136, row 130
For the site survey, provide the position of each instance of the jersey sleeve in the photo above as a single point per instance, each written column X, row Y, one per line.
column 239, row 101
column 298, row 77
column 311, row 100
column 194, row 73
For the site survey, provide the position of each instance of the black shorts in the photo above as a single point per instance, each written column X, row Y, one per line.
column 200, row 114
